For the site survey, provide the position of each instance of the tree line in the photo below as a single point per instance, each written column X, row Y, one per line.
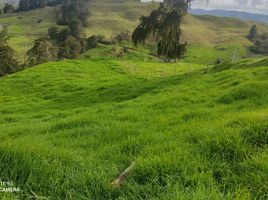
column 162, row 27
column 260, row 41
column 25, row 5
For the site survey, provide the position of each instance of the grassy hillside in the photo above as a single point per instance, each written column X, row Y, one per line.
column 111, row 17
column 24, row 27
column 68, row 129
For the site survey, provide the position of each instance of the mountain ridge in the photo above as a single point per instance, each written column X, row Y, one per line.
column 232, row 14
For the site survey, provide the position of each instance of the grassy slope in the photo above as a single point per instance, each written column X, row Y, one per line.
column 22, row 25
column 193, row 136
column 109, row 18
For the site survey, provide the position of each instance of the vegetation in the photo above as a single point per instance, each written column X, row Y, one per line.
column 194, row 129
column 90, row 119
column 9, row 8
column 25, row 5
column 163, row 25
column 42, row 51
column 253, row 32
column 74, row 14
column 8, row 63
column 260, row 41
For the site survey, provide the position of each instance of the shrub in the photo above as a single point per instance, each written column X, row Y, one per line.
column 8, row 63
column 42, row 51
column 70, row 48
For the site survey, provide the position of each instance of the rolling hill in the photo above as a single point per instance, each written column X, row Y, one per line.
column 232, row 14
column 69, row 128
column 190, row 130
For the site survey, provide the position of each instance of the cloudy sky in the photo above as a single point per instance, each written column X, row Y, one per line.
column 255, row 6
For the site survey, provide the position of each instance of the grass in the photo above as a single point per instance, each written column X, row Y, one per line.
column 194, row 130
column 193, row 135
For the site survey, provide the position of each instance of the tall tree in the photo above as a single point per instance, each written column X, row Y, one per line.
column 4, row 35
column 42, row 51
column 163, row 25
column 253, row 32
column 9, row 8
column 8, row 63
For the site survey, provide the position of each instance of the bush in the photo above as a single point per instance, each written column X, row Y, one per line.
column 9, row 8
column 70, row 48
column 42, row 51
column 8, row 63
column 92, row 42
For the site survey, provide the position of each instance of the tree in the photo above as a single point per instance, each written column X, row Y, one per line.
column 8, row 62
column 75, row 27
column 70, row 48
column 163, row 25
column 9, row 8
column 25, row 5
column 74, row 10
column 92, row 42
column 53, row 33
column 42, row 51
column 4, row 35
column 253, row 32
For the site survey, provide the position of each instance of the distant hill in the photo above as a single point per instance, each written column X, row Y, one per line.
column 232, row 13
column 111, row 17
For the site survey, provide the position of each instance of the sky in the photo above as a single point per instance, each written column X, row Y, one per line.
column 254, row 6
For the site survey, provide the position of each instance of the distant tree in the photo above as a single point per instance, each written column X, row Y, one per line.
column 53, row 33
column 9, row 8
column 74, row 10
column 1, row 11
column 42, row 51
column 124, row 36
column 4, row 35
column 92, row 42
column 75, row 27
column 253, row 32
column 8, row 62
column 71, row 48
column 58, row 35
column 25, row 5
column 163, row 25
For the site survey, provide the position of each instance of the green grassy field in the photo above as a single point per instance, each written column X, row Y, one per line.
column 69, row 128
column 194, row 130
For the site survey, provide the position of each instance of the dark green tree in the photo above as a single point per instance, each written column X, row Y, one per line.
column 253, row 32
column 163, row 25
column 92, row 42
column 9, row 8
column 71, row 48
column 4, row 35
column 42, row 51
column 8, row 63
column 25, row 5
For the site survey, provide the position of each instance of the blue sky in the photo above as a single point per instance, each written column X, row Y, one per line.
column 254, row 6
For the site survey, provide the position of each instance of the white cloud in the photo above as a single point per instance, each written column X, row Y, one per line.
column 255, row 6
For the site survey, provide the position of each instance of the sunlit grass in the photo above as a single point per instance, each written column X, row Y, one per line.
column 193, row 135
